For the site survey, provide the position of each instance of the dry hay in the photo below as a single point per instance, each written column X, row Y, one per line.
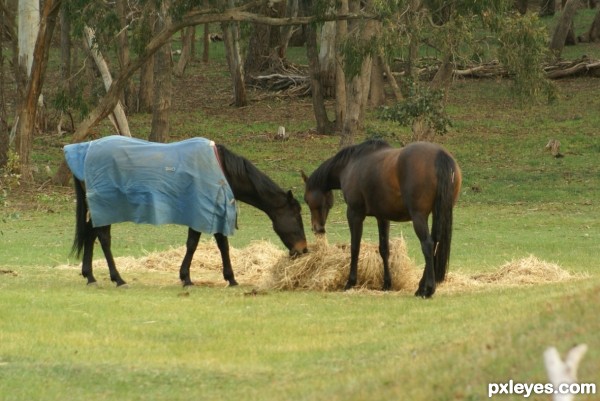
column 326, row 268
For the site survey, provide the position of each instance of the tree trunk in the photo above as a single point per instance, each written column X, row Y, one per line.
column 129, row 98
column 358, row 88
column 593, row 34
column 547, row 8
column 262, row 52
column 521, row 6
column 28, row 108
column 234, row 61
column 565, row 24
column 146, row 88
column 291, row 10
column 187, row 36
column 327, row 58
column 65, row 53
column 377, row 91
column 324, row 126
column 4, row 132
column 162, row 81
column 118, row 117
column 340, row 75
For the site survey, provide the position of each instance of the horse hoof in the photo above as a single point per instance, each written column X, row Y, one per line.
column 188, row 284
column 424, row 294
column 123, row 286
column 93, row 284
column 232, row 283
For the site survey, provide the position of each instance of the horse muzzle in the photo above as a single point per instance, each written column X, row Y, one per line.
column 298, row 249
column 318, row 229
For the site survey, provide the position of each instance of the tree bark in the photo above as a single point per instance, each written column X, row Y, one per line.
column 547, row 8
column 565, row 24
column 129, row 98
column 358, row 88
column 324, row 126
column 327, row 58
column 291, row 10
column 117, row 117
column 28, row 108
column 187, row 36
column 162, row 81
column 340, row 75
column 234, row 61
column 593, row 34
column 146, row 88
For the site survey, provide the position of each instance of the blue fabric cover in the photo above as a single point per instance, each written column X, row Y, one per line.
column 130, row 179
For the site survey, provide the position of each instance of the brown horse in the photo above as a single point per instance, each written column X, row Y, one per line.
column 406, row 184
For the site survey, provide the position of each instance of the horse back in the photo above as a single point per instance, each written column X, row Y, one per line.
column 395, row 183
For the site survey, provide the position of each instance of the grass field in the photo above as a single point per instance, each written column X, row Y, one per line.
column 156, row 341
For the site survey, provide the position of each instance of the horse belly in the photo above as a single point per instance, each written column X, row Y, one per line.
column 389, row 207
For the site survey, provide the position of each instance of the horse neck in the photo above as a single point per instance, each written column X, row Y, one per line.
column 329, row 176
column 250, row 185
column 266, row 201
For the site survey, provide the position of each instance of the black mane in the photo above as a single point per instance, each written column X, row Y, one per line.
column 240, row 172
column 326, row 176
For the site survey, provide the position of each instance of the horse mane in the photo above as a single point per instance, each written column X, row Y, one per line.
column 323, row 178
column 238, row 168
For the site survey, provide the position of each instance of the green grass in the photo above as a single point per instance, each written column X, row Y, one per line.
column 151, row 342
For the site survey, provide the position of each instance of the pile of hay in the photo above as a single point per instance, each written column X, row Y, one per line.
column 326, row 268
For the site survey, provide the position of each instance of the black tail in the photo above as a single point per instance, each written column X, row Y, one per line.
column 441, row 231
column 82, row 226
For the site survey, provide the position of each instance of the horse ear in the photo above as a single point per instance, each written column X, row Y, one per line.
column 304, row 177
column 290, row 196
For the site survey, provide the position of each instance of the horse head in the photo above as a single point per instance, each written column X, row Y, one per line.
column 320, row 203
column 287, row 223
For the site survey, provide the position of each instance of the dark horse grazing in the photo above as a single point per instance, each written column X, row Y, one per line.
column 248, row 185
column 391, row 184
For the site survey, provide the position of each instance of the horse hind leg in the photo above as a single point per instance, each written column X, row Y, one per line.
column 384, row 251
column 88, row 253
column 191, row 245
column 427, row 284
column 223, row 244
column 105, row 242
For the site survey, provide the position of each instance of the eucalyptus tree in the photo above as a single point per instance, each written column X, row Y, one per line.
column 455, row 31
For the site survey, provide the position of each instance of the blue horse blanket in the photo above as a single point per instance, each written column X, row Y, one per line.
column 129, row 179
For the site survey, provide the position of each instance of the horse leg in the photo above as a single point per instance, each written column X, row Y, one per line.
column 427, row 283
column 105, row 242
column 223, row 244
column 88, row 253
column 355, row 222
column 191, row 245
column 384, row 251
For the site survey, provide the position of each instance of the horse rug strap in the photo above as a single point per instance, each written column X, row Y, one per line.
column 130, row 179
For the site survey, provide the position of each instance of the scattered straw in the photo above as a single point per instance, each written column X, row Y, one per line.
column 326, row 268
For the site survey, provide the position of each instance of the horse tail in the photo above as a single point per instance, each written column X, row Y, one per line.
column 82, row 227
column 448, row 184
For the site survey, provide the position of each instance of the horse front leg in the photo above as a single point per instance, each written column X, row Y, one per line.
column 191, row 245
column 384, row 251
column 223, row 244
column 355, row 222
column 105, row 243
column 427, row 284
